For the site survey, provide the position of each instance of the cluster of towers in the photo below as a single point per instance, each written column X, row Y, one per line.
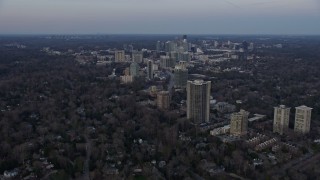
column 301, row 123
column 198, row 91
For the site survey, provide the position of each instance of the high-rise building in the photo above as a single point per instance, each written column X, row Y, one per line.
column 281, row 119
column 174, row 56
column 150, row 70
column 159, row 46
column 170, row 46
column 198, row 97
column 185, row 45
column 239, row 123
column 163, row 100
column 184, row 37
column 134, row 69
column 166, row 62
column 119, row 56
column 302, row 119
column 180, row 76
column 185, row 56
column 137, row 56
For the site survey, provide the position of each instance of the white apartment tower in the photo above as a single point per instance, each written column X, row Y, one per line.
column 281, row 119
column 302, row 119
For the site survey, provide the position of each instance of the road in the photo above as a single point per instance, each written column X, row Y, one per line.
column 86, row 169
column 294, row 164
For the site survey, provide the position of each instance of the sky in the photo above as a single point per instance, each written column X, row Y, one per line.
column 160, row 17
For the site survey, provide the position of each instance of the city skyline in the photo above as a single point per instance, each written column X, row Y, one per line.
column 159, row 17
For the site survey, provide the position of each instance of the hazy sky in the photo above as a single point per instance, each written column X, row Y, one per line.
column 160, row 16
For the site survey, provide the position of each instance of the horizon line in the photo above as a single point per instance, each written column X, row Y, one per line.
column 158, row 34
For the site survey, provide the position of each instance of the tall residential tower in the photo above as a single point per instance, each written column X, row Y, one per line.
column 198, row 96
column 180, row 76
column 239, row 123
column 302, row 119
column 281, row 119
column 149, row 70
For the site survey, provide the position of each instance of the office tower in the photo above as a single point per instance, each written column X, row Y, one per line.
column 150, row 70
column 180, row 76
column 185, row 45
column 239, row 123
column 166, row 62
column 137, row 56
column 174, row 56
column 302, row 119
column 198, row 96
column 184, row 37
column 185, row 56
column 159, row 46
column 134, row 69
column 281, row 119
column 163, row 100
column 170, row 46
column 119, row 56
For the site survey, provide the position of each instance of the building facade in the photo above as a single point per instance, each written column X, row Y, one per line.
column 149, row 70
column 302, row 119
column 119, row 56
column 180, row 76
column 239, row 123
column 126, row 79
column 166, row 62
column 198, row 97
column 163, row 100
column 281, row 119
column 134, row 69
column 137, row 56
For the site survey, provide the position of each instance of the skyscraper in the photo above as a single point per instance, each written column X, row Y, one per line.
column 137, row 56
column 174, row 56
column 239, row 123
column 281, row 119
column 149, row 70
column 198, row 96
column 170, row 46
column 119, row 56
column 166, row 62
column 134, row 69
column 185, row 56
column 302, row 119
column 159, row 46
column 180, row 76
column 163, row 100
